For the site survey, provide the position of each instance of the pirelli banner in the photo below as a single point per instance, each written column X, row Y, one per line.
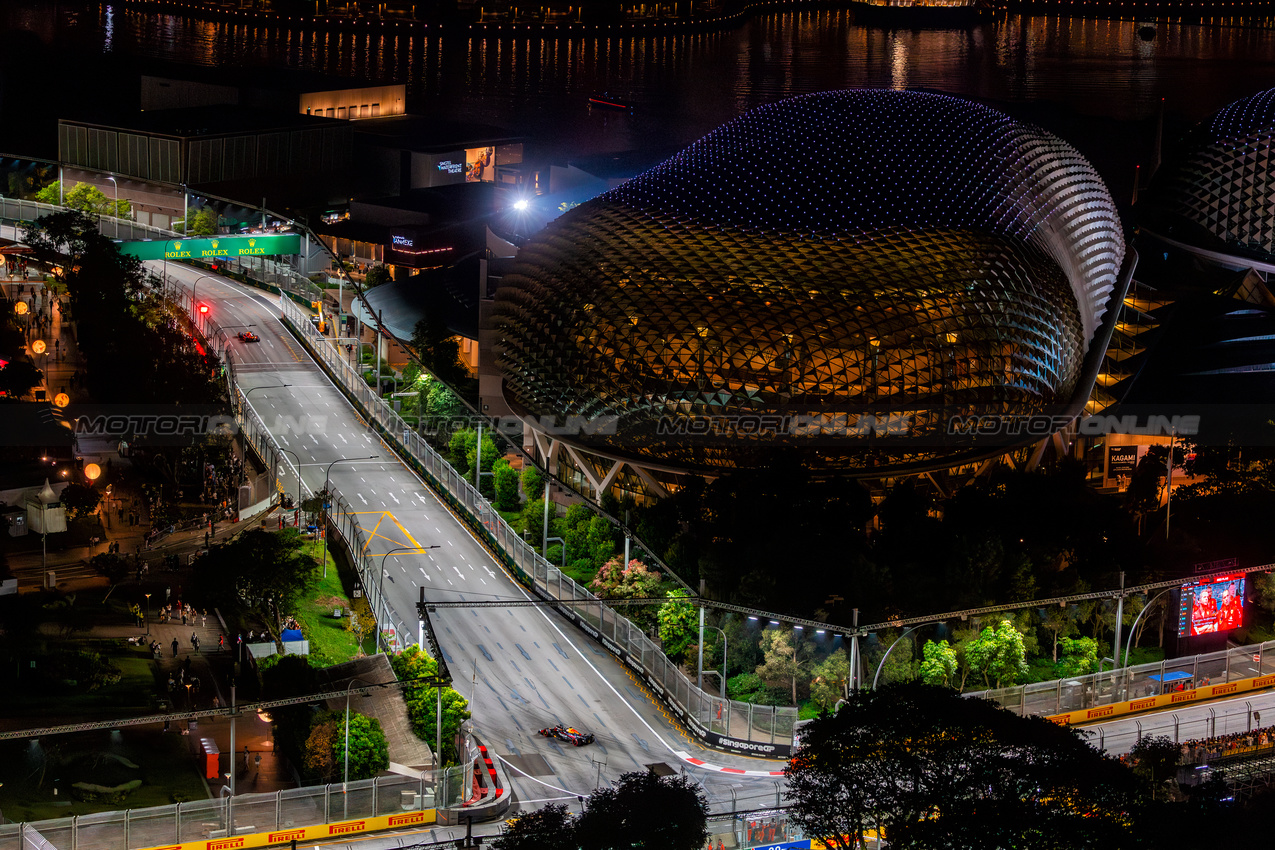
column 213, row 247
column 319, row 832
column 1169, row 700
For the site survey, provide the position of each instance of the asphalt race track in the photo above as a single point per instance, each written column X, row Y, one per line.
column 522, row 669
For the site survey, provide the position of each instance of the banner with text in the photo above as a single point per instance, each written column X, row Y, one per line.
column 318, row 832
column 1168, row 700
column 213, row 247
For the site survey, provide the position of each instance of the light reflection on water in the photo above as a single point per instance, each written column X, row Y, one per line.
column 685, row 85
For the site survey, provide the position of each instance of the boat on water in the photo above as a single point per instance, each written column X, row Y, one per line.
column 920, row 13
column 605, row 101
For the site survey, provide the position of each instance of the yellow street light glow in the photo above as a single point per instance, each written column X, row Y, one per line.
column 38, row 346
column 61, row 399
column 20, row 308
column 92, row 471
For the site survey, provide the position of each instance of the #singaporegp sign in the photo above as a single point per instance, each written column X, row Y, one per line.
column 213, row 247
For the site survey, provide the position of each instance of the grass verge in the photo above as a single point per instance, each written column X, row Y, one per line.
column 330, row 641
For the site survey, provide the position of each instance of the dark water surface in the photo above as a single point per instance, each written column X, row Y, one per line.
column 685, row 85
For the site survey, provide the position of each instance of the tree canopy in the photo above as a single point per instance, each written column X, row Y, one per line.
column 146, row 352
column 641, row 809
column 369, row 751
column 87, row 199
column 934, row 769
column 256, row 565
column 422, row 700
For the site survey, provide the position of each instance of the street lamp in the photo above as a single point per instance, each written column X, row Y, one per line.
column 881, row 665
column 194, row 286
column 326, row 495
column 346, row 776
column 297, row 514
column 148, row 615
column 380, row 585
column 701, row 659
column 251, row 390
column 116, row 211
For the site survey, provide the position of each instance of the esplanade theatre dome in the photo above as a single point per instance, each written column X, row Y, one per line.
column 837, row 272
column 1216, row 191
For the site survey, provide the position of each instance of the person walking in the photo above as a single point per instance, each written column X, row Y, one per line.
column 175, row 645
column 221, row 643
column 194, row 641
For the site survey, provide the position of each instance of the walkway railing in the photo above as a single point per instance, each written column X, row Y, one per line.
column 12, row 209
column 201, row 820
column 730, row 724
column 1130, row 683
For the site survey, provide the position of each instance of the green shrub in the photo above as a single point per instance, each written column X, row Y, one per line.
column 81, row 668
column 744, row 685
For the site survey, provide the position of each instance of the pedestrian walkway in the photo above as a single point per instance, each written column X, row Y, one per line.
column 48, row 323
column 213, row 669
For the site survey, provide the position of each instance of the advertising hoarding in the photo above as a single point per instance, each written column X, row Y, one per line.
column 480, row 165
column 1211, row 605
column 1121, row 460
column 213, row 247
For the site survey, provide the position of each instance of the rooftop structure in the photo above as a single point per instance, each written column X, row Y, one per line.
column 834, row 260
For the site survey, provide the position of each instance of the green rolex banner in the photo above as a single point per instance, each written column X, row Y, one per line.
column 213, row 247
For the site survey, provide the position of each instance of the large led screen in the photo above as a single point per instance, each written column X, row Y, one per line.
column 1211, row 605
column 480, row 165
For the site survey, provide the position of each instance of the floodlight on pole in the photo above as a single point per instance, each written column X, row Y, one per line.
column 116, row 210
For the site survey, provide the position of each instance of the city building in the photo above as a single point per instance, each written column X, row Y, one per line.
column 1197, row 330
column 225, row 151
column 850, row 276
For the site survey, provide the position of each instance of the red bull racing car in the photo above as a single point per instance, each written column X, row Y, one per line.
column 571, row 735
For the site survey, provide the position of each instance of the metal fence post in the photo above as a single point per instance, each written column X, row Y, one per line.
column 177, row 823
column 278, row 809
column 75, row 827
column 327, row 795
column 375, row 786
column 126, row 838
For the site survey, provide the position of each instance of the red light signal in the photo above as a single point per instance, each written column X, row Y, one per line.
column 203, row 308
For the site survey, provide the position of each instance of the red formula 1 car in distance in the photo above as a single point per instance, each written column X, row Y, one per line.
column 248, row 336
column 572, row 736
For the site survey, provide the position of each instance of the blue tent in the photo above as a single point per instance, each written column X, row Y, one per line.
column 291, row 634
column 1168, row 677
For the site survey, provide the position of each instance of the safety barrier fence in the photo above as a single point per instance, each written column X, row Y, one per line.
column 1099, row 696
column 202, row 824
column 1235, row 718
column 730, row 724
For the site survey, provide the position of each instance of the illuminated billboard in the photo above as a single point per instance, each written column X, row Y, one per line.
column 480, row 165
column 1211, row 605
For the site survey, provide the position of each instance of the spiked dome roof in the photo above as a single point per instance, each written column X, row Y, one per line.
column 912, row 253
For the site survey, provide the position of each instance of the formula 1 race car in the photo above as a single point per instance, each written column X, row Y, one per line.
column 248, row 336
column 572, row 736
